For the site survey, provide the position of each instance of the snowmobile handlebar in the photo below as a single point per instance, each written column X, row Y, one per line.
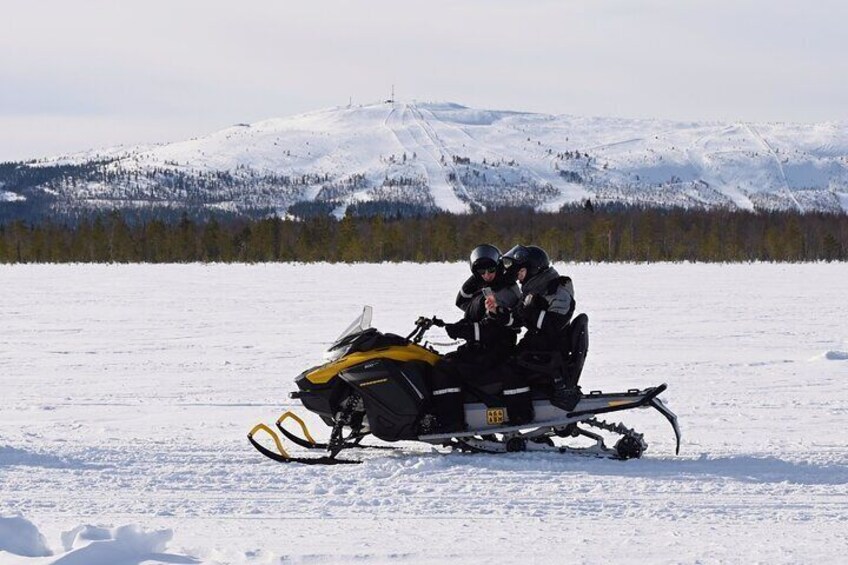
column 423, row 324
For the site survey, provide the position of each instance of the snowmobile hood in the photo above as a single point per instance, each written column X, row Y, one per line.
column 409, row 352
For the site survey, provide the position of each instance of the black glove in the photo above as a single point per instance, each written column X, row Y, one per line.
column 438, row 322
column 459, row 330
column 501, row 315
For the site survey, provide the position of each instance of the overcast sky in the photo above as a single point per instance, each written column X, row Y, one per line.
column 77, row 74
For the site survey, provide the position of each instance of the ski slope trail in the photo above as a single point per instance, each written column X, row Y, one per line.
column 129, row 390
column 433, row 140
column 767, row 146
column 414, row 140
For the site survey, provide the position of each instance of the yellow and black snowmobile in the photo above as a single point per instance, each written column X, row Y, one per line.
column 377, row 383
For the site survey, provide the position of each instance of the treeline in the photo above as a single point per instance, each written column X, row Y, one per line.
column 573, row 234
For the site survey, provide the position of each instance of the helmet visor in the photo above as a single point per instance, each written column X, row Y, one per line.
column 489, row 269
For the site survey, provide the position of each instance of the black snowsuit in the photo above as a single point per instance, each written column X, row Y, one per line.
column 486, row 337
column 546, row 306
column 489, row 342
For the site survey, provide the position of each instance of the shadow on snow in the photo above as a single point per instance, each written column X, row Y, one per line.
column 743, row 468
column 12, row 456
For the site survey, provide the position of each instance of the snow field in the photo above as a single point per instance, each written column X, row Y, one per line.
column 128, row 392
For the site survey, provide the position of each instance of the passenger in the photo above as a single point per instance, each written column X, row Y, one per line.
column 489, row 341
column 546, row 306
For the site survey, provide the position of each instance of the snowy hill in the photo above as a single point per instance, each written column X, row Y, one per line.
column 450, row 157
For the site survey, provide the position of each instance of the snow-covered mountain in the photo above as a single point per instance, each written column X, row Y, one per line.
column 450, row 157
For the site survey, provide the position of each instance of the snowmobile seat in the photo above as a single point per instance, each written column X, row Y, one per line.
column 576, row 348
column 544, row 365
column 567, row 362
column 490, row 394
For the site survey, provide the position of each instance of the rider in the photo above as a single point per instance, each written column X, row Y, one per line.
column 489, row 286
column 546, row 306
column 489, row 340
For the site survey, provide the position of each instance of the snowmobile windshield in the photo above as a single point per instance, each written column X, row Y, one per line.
column 357, row 327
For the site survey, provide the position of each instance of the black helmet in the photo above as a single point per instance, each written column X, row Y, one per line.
column 533, row 258
column 484, row 257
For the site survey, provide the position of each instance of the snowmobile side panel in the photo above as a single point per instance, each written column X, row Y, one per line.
column 415, row 374
column 478, row 415
column 320, row 398
column 392, row 403
column 318, row 401
column 403, row 353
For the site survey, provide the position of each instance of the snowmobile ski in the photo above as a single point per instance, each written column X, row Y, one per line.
column 309, row 443
column 283, row 456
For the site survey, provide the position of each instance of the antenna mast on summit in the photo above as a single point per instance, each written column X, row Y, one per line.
column 393, row 94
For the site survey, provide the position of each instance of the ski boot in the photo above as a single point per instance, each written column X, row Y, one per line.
column 566, row 398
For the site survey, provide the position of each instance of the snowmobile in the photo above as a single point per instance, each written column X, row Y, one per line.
column 375, row 383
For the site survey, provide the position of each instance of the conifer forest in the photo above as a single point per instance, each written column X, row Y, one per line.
column 578, row 233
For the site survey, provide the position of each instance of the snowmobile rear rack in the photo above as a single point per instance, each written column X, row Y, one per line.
column 649, row 399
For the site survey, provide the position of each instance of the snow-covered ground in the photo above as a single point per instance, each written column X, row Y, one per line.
column 127, row 392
